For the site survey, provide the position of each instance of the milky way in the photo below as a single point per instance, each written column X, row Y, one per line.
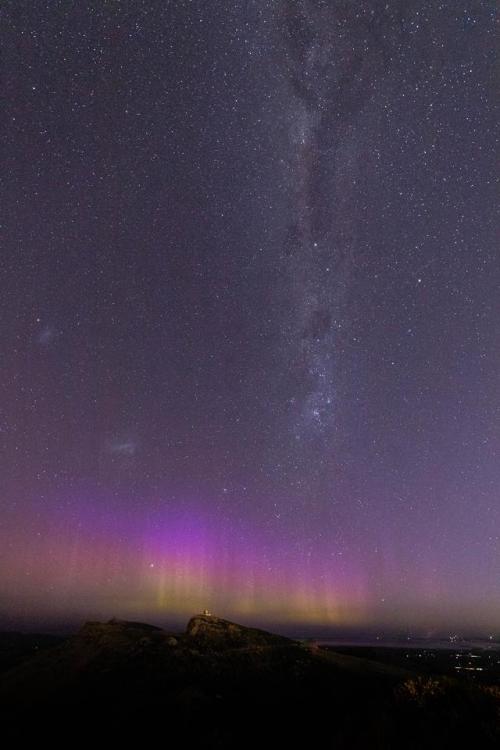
column 249, row 314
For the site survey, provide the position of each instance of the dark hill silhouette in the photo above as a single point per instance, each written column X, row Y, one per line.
column 215, row 632
column 224, row 685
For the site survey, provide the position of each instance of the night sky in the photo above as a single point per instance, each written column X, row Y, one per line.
column 250, row 313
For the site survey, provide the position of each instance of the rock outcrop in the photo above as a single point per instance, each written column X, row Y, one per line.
column 216, row 633
column 116, row 631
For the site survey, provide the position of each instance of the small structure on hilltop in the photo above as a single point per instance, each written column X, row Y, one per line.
column 207, row 613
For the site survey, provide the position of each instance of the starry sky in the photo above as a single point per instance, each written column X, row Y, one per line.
column 250, row 313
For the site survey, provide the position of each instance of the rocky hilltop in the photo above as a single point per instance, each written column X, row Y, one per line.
column 221, row 685
column 215, row 632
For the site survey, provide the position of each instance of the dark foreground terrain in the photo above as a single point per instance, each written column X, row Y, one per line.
column 221, row 685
